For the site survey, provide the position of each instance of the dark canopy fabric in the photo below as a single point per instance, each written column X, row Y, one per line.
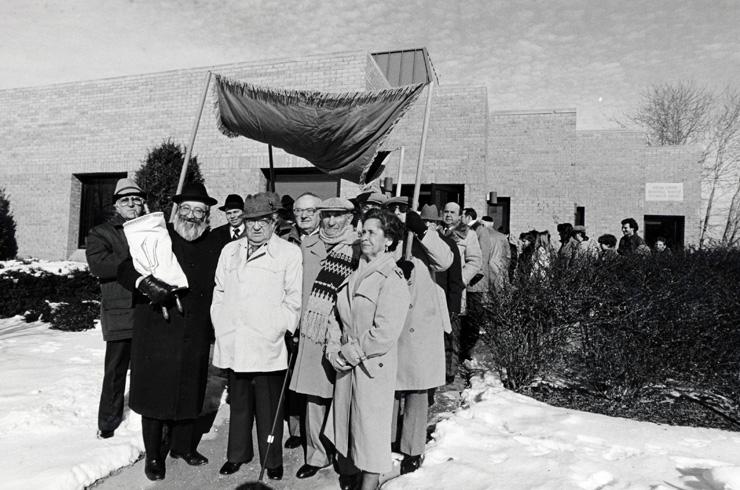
column 338, row 133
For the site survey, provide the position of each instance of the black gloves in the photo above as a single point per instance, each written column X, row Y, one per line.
column 158, row 292
column 415, row 224
column 406, row 267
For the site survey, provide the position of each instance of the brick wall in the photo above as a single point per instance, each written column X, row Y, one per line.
column 53, row 132
column 537, row 158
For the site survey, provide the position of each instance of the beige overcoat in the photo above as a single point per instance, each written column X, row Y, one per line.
column 371, row 305
column 421, row 349
column 312, row 374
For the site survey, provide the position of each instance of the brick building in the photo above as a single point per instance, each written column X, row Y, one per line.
column 60, row 141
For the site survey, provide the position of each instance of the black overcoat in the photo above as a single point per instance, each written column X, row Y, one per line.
column 169, row 358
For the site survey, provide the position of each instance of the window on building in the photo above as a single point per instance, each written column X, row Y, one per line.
column 500, row 211
column 96, row 201
column 438, row 194
column 670, row 227
column 296, row 181
column 580, row 216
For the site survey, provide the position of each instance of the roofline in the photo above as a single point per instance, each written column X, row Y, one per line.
column 526, row 112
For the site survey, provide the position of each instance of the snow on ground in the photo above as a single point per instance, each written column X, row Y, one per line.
column 33, row 265
column 49, row 391
column 508, row 441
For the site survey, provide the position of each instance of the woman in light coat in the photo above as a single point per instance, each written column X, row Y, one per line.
column 362, row 346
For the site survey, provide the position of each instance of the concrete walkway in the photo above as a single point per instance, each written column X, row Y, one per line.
column 181, row 476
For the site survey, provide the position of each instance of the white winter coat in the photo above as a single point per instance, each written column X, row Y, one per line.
column 255, row 301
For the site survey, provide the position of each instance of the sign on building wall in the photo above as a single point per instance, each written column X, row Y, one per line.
column 663, row 191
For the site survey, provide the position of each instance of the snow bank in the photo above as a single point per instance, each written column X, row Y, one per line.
column 508, row 441
column 60, row 267
column 49, row 392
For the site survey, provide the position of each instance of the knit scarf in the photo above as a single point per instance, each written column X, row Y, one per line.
column 335, row 268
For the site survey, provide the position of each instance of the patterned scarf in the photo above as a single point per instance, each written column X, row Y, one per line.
column 339, row 263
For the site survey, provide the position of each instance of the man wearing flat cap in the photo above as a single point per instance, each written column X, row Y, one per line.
column 256, row 300
column 329, row 257
column 169, row 356
column 234, row 228
column 106, row 249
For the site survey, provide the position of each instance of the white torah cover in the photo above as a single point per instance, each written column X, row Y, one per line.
column 151, row 249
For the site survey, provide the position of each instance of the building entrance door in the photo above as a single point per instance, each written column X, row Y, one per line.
column 500, row 211
column 439, row 194
column 667, row 226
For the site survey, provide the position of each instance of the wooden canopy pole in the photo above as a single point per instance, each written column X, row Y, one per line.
column 400, row 170
column 420, row 165
column 189, row 149
column 271, row 185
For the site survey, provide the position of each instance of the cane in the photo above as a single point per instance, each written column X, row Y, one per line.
column 271, row 437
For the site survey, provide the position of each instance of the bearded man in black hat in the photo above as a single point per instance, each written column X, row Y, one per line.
column 234, row 228
column 169, row 356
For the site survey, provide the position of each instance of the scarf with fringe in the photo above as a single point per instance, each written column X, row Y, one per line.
column 339, row 263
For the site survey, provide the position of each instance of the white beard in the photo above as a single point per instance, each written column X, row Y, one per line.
column 190, row 230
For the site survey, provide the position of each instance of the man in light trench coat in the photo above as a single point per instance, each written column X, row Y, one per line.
column 256, row 300
column 329, row 257
column 421, row 350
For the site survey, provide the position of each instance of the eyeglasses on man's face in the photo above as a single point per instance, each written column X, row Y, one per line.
column 186, row 210
column 401, row 208
column 130, row 201
column 306, row 211
column 262, row 222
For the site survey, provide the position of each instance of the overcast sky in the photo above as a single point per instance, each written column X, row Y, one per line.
column 594, row 55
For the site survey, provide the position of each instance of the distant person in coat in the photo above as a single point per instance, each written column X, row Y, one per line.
column 631, row 243
column 169, row 357
column 586, row 247
column 329, row 257
column 470, row 218
column 106, row 250
column 256, row 301
column 661, row 247
column 305, row 224
column 421, row 349
column 362, row 346
column 607, row 246
column 234, row 228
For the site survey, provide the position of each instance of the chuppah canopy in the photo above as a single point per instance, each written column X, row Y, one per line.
column 338, row 133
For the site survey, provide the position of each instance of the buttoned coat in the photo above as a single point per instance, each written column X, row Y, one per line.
column 496, row 255
column 313, row 375
column 371, row 305
column 223, row 233
column 256, row 300
column 169, row 358
column 106, row 250
column 421, row 349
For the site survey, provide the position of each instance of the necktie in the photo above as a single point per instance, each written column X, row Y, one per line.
column 234, row 233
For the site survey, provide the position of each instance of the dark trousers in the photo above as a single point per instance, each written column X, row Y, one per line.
column 110, row 410
column 452, row 347
column 471, row 323
column 182, row 436
column 255, row 396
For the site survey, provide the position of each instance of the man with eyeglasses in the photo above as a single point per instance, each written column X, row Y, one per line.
column 256, row 301
column 306, row 218
column 106, row 249
column 169, row 356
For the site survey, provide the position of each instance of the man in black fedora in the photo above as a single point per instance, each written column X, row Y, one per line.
column 234, row 228
column 169, row 356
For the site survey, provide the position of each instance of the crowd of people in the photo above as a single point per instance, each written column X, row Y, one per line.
column 361, row 308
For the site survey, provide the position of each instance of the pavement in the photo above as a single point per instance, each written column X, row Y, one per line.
column 181, row 476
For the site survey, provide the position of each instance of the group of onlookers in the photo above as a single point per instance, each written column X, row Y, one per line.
column 358, row 306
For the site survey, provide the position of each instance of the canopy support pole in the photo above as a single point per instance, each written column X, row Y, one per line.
column 420, row 165
column 271, row 185
column 400, row 170
column 189, row 149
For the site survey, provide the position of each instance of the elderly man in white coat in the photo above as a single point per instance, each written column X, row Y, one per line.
column 256, row 300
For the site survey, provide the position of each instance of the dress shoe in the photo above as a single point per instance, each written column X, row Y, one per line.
column 292, row 442
column 350, row 482
column 154, row 469
column 105, row 434
column 409, row 464
column 275, row 473
column 193, row 458
column 307, row 471
column 229, row 468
